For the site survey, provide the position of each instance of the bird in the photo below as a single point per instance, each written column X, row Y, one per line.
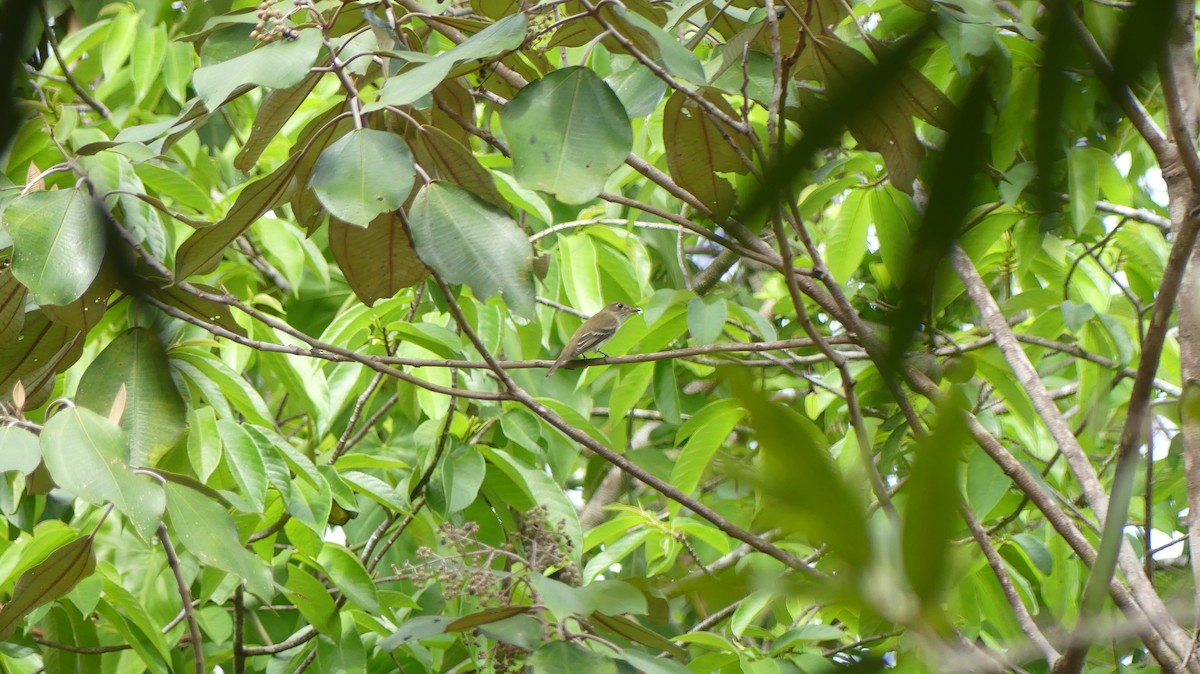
column 595, row 332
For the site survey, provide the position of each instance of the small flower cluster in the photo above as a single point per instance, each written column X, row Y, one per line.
column 548, row 547
column 271, row 26
column 455, row 572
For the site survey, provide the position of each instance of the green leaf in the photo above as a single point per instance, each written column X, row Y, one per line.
column 87, row 456
column 459, row 477
column 207, row 531
column 362, row 175
column 986, row 483
column 706, row 319
column 847, row 243
column 409, row 86
column 1084, row 183
column 414, row 629
column 1038, row 553
column 280, row 65
column 748, row 610
column 18, row 450
column 677, row 59
column 245, row 461
column 800, row 478
column 706, row 431
column 666, row 392
column 155, row 415
column 468, row 241
column 52, row 578
column 58, row 243
column 204, row 441
column 348, row 574
column 559, row 657
column 567, row 132
column 313, row 601
column 929, row 518
column 638, row 88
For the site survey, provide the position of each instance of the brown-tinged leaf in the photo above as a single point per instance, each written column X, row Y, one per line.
column 32, row 182
column 41, row 350
column 118, row 404
column 315, row 137
column 451, row 100
column 204, row 309
column 52, row 578
column 696, row 150
column 377, row 260
column 634, row 632
column 203, row 250
column 490, row 615
column 884, row 127
column 917, row 94
column 276, row 109
column 12, row 303
column 444, row 158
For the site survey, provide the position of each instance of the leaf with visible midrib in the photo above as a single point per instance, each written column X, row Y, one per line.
column 58, row 243
column 467, row 241
column 568, row 132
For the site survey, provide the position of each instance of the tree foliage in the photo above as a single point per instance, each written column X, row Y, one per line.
column 912, row 386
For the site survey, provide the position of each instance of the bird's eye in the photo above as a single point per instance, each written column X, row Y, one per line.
column 620, row 306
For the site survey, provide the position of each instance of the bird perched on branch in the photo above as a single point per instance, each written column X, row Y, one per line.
column 595, row 332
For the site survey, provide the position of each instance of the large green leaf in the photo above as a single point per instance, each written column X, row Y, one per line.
column 58, row 243
column 362, row 175
column 567, row 132
column 155, row 416
column 245, row 461
column 280, row 65
column 468, row 241
column 803, row 483
column 929, row 518
column 87, row 456
column 207, row 531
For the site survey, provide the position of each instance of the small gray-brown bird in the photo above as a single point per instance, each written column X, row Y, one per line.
column 595, row 332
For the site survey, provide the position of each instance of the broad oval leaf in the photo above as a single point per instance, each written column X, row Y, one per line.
column 467, row 241
column 58, row 243
column 568, row 132
column 87, row 456
column 364, row 174
column 155, row 414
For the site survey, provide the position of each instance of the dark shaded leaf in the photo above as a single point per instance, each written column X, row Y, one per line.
column 486, row 616
column 52, row 578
